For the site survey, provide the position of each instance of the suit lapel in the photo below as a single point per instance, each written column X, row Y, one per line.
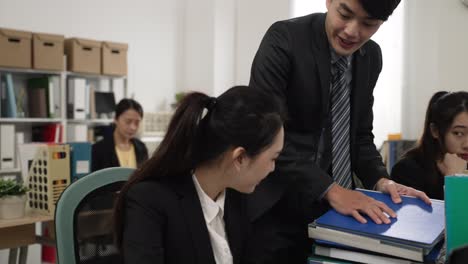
column 195, row 220
column 114, row 159
column 361, row 80
column 233, row 224
column 321, row 52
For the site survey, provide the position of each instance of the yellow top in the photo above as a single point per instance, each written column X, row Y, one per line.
column 126, row 158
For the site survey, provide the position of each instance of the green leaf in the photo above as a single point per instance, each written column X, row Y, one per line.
column 11, row 187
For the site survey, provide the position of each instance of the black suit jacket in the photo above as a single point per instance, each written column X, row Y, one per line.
column 412, row 171
column 293, row 62
column 164, row 223
column 104, row 155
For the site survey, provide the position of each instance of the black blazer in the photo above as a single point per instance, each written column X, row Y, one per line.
column 294, row 63
column 412, row 172
column 164, row 223
column 104, row 155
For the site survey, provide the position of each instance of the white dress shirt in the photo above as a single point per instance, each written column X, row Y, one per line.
column 213, row 211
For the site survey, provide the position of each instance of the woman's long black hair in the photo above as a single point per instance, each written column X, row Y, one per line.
column 441, row 111
column 201, row 130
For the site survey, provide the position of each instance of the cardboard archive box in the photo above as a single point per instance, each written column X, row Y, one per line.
column 48, row 51
column 15, row 48
column 83, row 55
column 114, row 58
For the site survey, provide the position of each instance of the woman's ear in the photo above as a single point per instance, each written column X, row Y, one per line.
column 434, row 131
column 238, row 157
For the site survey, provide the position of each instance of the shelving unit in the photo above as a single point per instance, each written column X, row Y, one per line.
column 108, row 83
column 7, row 120
column 90, row 121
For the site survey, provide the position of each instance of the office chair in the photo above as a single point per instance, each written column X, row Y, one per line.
column 83, row 218
column 459, row 255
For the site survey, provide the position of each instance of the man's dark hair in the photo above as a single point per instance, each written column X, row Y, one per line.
column 379, row 9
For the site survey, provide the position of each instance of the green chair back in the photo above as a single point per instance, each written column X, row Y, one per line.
column 68, row 203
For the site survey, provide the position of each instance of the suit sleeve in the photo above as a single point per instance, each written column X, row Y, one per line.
column 409, row 173
column 143, row 229
column 271, row 65
column 271, row 72
column 145, row 152
column 370, row 168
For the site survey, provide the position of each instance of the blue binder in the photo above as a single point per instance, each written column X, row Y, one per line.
column 417, row 224
column 10, row 110
column 80, row 159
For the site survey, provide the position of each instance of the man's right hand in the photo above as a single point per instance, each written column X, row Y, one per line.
column 354, row 203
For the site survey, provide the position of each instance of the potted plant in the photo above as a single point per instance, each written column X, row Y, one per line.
column 12, row 199
column 178, row 97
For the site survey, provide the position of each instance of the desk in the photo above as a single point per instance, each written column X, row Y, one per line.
column 19, row 233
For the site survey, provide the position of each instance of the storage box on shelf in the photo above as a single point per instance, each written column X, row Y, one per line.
column 83, row 55
column 114, row 58
column 15, row 48
column 48, row 51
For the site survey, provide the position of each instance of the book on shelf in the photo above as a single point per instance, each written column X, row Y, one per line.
column 50, row 133
column 7, row 143
column 456, row 213
column 54, row 96
column 77, row 132
column 8, row 96
column 412, row 235
column 38, row 97
column 92, row 102
column 76, row 99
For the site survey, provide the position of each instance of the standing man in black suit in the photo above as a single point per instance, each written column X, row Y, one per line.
column 324, row 67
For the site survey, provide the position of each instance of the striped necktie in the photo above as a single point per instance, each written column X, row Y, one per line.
column 340, row 97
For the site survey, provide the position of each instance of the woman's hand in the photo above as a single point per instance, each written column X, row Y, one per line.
column 451, row 164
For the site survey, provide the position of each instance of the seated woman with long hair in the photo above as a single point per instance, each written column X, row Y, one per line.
column 185, row 204
column 442, row 149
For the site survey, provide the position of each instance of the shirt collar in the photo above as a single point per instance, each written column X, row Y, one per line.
column 335, row 56
column 210, row 208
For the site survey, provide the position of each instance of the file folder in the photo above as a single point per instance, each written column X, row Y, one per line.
column 76, row 98
column 80, row 159
column 7, row 143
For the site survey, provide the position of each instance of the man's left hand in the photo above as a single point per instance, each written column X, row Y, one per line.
column 395, row 190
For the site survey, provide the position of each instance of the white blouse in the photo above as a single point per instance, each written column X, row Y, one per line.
column 213, row 211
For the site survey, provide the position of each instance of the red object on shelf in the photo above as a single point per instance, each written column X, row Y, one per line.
column 49, row 253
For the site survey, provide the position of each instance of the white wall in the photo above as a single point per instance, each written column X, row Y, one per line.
column 436, row 56
column 198, row 67
column 253, row 20
column 221, row 38
column 224, row 45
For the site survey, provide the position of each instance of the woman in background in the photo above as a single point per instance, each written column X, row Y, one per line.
column 122, row 149
column 442, row 149
column 185, row 204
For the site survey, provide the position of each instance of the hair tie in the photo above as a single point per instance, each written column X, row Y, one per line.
column 211, row 103
column 209, row 106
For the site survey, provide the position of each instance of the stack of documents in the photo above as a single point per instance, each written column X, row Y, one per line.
column 414, row 236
